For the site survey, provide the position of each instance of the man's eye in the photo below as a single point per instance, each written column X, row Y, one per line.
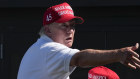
column 65, row 25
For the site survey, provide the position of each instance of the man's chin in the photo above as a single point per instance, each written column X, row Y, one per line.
column 68, row 45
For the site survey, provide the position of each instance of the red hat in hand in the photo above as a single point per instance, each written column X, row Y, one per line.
column 102, row 72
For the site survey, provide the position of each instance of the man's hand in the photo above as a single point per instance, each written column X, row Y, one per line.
column 129, row 57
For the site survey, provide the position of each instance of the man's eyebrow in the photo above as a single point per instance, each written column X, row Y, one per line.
column 61, row 24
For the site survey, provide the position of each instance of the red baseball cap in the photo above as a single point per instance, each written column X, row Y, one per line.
column 60, row 13
column 102, row 72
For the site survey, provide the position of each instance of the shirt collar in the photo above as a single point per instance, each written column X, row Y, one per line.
column 46, row 38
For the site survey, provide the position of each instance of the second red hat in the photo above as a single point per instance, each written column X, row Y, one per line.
column 102, row 72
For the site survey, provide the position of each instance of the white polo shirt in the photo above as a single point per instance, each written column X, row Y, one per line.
column 46, row 59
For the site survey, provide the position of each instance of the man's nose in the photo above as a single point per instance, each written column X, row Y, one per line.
column 70, row 29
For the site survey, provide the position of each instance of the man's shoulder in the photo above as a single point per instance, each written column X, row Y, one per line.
column 53, row 45
column 45, row 41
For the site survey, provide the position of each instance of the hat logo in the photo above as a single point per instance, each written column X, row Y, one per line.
column 99, row 77
column 49, row 17
column 62, row 7
column 65, row 12
column 90, row 76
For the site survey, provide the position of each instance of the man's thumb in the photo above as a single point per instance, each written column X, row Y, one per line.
column 135, row 47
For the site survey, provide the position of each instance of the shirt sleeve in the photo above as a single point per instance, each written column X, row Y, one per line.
column 58, row 57
column 67, row 59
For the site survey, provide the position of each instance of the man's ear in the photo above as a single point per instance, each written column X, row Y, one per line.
column 47, row 30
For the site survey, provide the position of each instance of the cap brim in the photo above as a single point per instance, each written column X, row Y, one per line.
column 78, row 20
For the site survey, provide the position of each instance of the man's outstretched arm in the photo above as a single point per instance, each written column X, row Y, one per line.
column 92, row 57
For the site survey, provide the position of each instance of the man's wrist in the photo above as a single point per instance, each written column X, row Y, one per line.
column 120, row 55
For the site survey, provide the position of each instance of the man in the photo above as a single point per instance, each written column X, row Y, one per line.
column 51, row 56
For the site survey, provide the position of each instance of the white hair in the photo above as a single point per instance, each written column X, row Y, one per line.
column 42, row 31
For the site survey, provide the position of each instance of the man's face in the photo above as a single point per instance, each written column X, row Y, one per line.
column 63, row 32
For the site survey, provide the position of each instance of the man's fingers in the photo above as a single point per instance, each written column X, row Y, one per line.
column 131, row 66
column 135, row 47
column 133, row 53
column 136, row 60
column 137, row 66
column 132, row 62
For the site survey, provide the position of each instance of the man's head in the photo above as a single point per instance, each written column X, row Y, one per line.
column 59, row 22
